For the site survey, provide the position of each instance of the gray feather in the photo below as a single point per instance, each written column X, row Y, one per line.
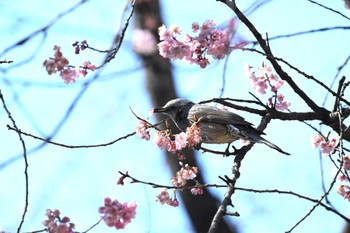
column 217, row 125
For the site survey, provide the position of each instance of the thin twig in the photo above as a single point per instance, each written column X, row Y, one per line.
column 70, row 146
column 25, row 163
column 328, row 8
column 42, row 29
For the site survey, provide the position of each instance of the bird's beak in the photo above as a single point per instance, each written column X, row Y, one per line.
column 161, row 109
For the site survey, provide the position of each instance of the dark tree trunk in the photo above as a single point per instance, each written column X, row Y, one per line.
column 160, row 85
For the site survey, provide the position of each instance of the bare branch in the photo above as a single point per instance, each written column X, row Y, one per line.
column 25, row 162
column 42, row 29
column 70, row 146
column 328, row 8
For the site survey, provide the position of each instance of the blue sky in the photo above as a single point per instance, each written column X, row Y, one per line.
column 76, row 180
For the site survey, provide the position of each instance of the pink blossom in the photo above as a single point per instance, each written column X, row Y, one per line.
column 68, row 75
column 275, row 82
column 171, row 147
column 174, row 203
column 168, row 34
column 121, row 180
column 61, row 64
column 342, row 177
column 194, row 49
column 175, row 29
column 203, row 62
column 346, row 162
column 193, row 135
column 261, row 78
column 183, row 175
column 181, row 156
column 326, row 146
column 142, row 130
column 248, row 72
column 197, row 191
column 265, row 69
column 82, row 45
column 195, row 27
column 344, row 191
column 116, row 214
column 57, row 63
column 280, row 104
column 56, row 224
column 207, row 26
column 164, row 198
column 161, row 139
column 180, row 141
column 316, row 140
column 260, row 85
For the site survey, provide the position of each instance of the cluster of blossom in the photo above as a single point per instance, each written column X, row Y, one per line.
column 197, row 191
column 55, row 224
column 60, row 63
column 344, row 191
column 183, row 175
column 172, row 143
column 261, row 79
column 326, row 145
column 82, row 45
column 142, row 130
column 164, row 198
column 209, row 41
column 116, row 214
column 343, row 175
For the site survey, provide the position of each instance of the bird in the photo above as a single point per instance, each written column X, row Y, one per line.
column 217, row 126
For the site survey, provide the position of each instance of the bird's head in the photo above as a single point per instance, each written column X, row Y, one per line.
column 177, row 110
column 173, row 107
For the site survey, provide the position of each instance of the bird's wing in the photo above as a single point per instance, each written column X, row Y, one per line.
column 212, row 114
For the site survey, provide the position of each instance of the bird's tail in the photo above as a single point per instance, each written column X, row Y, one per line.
column 257, row 138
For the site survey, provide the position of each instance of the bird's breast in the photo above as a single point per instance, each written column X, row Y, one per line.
column 216, row 133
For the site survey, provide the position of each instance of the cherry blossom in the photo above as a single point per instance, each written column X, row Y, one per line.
column 262, row 78
column 180, row 141
column 116, row 214
column 327, row 146
column 172, row 143
column 142, row 130
column 280, row 104
column 80, row 46
column 194, row 49
column 161, row 139
column 60, row 63
column 183, row 175
column 56, row 224
column 164, row 198
column 346, row 162
column 344, row 191
column 193, row 135
column 197, row 191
